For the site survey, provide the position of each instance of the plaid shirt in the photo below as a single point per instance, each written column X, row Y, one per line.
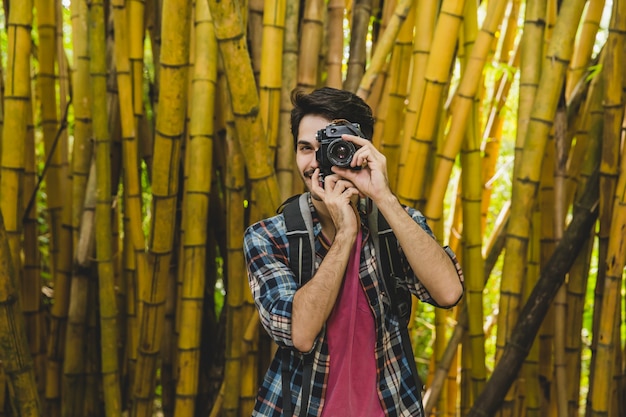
column 273, row 286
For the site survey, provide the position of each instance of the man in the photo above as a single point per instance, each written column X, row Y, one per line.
column 342, row 317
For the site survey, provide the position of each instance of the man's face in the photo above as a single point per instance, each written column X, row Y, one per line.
column 307, row 145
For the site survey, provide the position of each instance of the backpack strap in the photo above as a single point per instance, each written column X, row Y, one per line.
column 386, row 247
column 299, row 224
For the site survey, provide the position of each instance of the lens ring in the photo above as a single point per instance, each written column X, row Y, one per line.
column 340, row 153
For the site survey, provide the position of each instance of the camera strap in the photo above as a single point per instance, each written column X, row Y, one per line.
column 299, row 224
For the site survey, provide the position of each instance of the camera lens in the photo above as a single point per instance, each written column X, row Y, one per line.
column 340, row 153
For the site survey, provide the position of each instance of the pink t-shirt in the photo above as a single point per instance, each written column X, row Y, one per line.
column 351, row 335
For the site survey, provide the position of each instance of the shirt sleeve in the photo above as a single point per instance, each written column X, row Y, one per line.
column 413, row 282
column 271, row 280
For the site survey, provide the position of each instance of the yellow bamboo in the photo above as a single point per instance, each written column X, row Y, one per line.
column 384, row 47
column 93, row 374
column 55, row 149
column 285, row 173
column 16, row 102
column 508, row 58
column 411, row 180
column 562, row 145
column 56, row 176
column 527, row 176
column 153, row 13
column 579, row 273
column 81, row 155
column 64, row 259
column 75, row 363
column 473, row 263
column 103, row 223
column 66, row 238
column 584, row 46
column 272, row 69
column 335, row 41
column 252, row 21
column 527, row 173
column 310, row 44
column 544, row 224
column 245, row 102
column 195, row 211
column 46, row 86
column 588, row 126
column 423, row 33
column 14, row 354
column 17, row 96
column 250, row 350
column 30, row 287
column 235, row 297
column 170, row 125
column 136, row 34
column 464, row 99
column 609, row 345
column 509, row 36
column 136, row 9
column 531, row 59
column 531, row 388
column 137, row 275
column 492, row 135
column 396, row 90
column 74, row 384
column 361, row 13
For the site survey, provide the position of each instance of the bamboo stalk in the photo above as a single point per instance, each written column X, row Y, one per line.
column 16, row 360
column 411, row 188
column 272, row 70
column 584, row 47
column 612, row 215
column 530, row 318
column 384, row 47
column 285, row 174
column 103, row 221
column 196, row 211
column 312, row 33
column 170, row 125
column 361, row 13
column 245, row 104
column 335, row 40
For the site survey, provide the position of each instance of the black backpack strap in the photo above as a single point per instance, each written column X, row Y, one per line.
column 299, row 224
column 286, row 374
column 386, row 246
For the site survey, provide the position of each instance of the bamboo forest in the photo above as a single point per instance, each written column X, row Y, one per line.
column 141, row 137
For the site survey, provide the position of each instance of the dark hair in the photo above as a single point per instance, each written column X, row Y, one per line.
column 331, row 104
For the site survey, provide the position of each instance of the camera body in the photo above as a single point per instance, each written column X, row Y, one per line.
column 333, row 150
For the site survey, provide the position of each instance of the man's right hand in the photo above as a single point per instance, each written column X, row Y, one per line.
column 338, row 196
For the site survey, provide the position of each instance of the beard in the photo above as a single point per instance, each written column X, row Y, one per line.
column 308, row 175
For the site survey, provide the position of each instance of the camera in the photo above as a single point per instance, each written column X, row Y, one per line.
column 333, row 150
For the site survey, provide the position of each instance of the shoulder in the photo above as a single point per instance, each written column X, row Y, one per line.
column 270, row 229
